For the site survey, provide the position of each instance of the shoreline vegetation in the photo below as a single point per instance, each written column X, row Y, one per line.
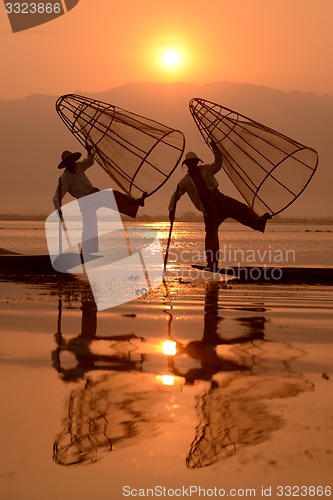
column 184, row 217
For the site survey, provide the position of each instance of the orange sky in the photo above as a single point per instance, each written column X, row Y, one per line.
column 285, row 44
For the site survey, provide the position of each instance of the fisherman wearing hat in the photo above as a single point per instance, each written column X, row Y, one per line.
column 202, row 187
column 75, row 182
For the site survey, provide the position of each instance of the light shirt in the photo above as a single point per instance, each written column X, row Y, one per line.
column 77, row 185
column 186, row 184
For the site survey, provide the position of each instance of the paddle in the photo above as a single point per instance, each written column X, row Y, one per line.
column 168, row 243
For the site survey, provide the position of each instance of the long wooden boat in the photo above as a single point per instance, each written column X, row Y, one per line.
column 26, row 264
column 277, row 275
column 11, row 263
column 36, row 264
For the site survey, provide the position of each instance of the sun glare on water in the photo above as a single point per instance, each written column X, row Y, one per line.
column 169, row 348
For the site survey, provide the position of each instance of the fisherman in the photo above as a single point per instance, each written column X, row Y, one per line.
column 75, row 182
column 202, row 187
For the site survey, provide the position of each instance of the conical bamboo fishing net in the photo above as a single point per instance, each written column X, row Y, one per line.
column 269, row 169
column 139, row 154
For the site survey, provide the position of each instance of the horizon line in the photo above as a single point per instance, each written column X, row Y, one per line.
column 34, row 94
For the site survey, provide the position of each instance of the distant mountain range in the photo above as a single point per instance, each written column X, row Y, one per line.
column 33, row 137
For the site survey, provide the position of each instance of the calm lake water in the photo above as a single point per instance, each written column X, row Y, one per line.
column 198, row 389
column 284, row 244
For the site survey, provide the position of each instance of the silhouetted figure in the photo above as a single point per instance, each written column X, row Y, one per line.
column 75, row 182
column 202, row 187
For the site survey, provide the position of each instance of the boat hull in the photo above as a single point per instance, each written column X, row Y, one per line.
column 263, row 274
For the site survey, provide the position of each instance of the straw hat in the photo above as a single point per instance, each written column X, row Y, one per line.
column 68, row 156
column 191, row 156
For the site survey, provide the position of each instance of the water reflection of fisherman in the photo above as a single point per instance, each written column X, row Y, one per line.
column 205, row 350
column 75, row 182
column 117, row 359
column 232, row 411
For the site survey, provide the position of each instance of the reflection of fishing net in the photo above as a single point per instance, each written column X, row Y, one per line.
column 138, row 153
column 269, row 169
column 235, row 415
column 85, row 428
column 108, row 412
column 212, row 438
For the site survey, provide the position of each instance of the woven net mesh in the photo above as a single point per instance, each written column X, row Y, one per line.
column 109, row 411
column 237, row 413
column 86, row 430
column 139, row 154
column 269, row 169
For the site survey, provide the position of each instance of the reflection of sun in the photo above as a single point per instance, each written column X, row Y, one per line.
column 169, row 348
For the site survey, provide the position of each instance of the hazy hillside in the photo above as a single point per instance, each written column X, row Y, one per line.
column 33, row 137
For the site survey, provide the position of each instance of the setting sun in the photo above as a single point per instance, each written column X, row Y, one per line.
column 171, row 58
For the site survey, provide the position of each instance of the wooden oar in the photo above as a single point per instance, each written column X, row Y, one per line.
column 62, row 223
column 168, row 243
column 167, row 248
